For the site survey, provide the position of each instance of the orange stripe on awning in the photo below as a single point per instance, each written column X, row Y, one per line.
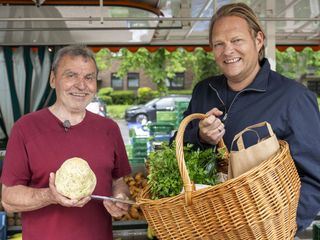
column 170, row 48
column 191, row 48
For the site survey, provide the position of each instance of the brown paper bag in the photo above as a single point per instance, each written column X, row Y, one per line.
column 244, row 159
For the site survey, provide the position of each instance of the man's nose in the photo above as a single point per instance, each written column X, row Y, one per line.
column 81, row 83
column 229, row 48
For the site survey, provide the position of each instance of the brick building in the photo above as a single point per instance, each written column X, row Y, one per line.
column 137, row 79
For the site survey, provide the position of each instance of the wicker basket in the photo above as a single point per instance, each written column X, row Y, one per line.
column 260, row 204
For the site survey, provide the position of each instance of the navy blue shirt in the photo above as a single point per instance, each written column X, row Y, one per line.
column 290, row 108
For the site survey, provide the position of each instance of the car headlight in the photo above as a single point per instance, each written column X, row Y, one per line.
column 131, row 111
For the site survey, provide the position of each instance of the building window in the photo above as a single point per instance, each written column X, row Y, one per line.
column 133, row 80
column 116, row 82
column 177, row 82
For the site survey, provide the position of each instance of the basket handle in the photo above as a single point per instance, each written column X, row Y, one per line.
column 187, row 184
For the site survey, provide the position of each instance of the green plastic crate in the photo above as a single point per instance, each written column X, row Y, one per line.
column 140, row 149
column 136, row 160
column 140, row 152
column 161, row 128
column 166, row 116
column 137, row 165
column 316, row 231
column 139, row 142
column 129, row 150
column 181, row 105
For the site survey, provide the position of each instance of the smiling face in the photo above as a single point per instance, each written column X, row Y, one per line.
column 75, row 83
column 236, row 50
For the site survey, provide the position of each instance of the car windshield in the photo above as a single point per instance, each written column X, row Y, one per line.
column 150, row 103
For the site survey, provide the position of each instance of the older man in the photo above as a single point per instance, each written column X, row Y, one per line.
column 41, row 141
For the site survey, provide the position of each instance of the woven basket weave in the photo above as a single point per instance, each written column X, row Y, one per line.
column 260, row 204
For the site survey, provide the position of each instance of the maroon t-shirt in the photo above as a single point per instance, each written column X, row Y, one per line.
column 38, row 145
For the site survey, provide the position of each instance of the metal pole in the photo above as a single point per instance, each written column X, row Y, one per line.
column 111, row 19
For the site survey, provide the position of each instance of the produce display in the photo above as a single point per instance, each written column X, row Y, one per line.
column 13, row 219
column 75, row 179
column 135, row 183
column 164, row 178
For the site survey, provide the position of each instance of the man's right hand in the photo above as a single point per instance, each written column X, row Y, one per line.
column 58, row 198
column 211, row 129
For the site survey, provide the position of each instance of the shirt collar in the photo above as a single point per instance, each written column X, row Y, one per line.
column 261, row 80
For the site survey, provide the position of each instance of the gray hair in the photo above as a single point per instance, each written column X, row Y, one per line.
column 243, row 11
column 73, row 51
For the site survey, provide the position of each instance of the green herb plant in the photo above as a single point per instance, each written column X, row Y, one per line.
column 164, row 178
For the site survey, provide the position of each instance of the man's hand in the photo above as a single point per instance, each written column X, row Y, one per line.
column 58, row 198
column 117, row 209
column 211, row 129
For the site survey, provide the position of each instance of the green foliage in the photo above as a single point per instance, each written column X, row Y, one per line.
column 144, row 94
column 164, row 178
column 176, row 62
column 106, row 99
column 181, row 92
column 103, row 59
column 105, row 95
column 123, row 97
column 159, row 65
column 105, row 91
column 294, row 64
column 203, row 65
column 117, row 111
column 162, row 65
column 316, row 62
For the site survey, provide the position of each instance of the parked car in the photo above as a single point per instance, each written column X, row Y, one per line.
column 97, row 106
column 147, row 112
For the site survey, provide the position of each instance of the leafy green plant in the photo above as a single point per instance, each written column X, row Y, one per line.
column 123, row 97
column 105, row 94
column 144, row 94
column 164, row 177
column 106, row 99
column 105, row 91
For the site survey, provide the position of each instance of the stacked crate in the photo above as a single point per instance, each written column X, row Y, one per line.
column 140, row 148
column 161, row 131
column 180, row 107
column 166, row 117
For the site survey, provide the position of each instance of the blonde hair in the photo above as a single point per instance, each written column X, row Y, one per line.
column 243, row 11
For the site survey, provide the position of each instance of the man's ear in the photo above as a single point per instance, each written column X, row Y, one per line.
column 259, row 40
column 52, row 80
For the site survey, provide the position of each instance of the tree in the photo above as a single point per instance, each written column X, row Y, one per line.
column 159, row 65
column 294, row 64
column 162, row 65
column 103, row 59
column 202, row 64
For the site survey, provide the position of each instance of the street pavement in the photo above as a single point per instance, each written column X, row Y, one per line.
column 124, row 130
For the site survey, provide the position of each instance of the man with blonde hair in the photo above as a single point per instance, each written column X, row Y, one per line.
column 249, row 92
